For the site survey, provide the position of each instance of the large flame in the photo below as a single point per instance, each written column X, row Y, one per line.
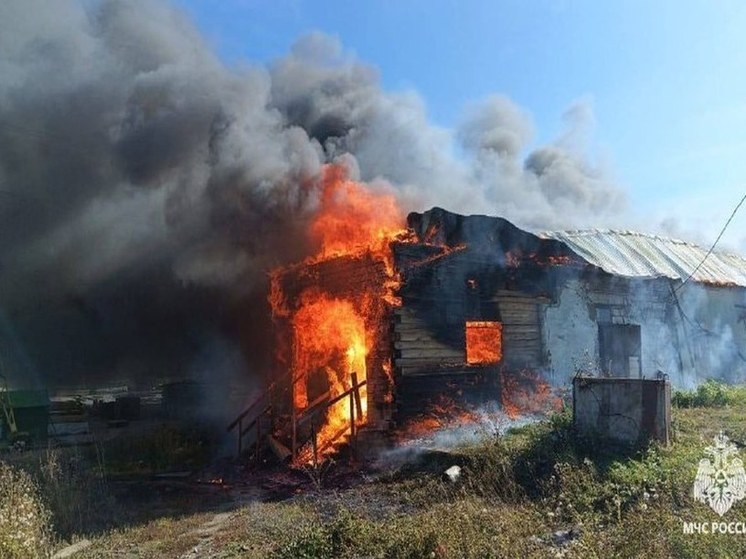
column 332, row 336
column 353, row 217
column 329, row 342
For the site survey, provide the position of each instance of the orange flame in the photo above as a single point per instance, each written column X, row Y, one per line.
column 445, row 412
column 330, row 341
column 525, row 392
column 483, row 342
column 332, row 336
column 352, row 217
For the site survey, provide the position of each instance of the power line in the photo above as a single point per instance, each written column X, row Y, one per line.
column 709, row 252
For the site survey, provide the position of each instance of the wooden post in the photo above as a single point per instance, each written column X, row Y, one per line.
column 314, row 445
column 353, row 434
column 352, row 415
column 356, row 390
column 240, row 435
column 294, row 433
column 293, row 415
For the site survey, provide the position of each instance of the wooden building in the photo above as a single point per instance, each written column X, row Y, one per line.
column 463, row 304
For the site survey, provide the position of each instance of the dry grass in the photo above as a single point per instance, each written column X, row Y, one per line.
column 164, row 537
column 516, row 492
column 25, row 528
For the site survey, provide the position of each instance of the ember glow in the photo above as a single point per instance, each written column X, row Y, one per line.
column 525, row 392
column 332, row 336
column 444, row 413
column 483, row 342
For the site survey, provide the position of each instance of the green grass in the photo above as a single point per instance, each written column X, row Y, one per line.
column 710, row 394
column 516, row 490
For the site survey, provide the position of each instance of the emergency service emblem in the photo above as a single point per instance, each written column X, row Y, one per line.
column 721, row 480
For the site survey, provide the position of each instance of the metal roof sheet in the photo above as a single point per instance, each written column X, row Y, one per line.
column 627, row 253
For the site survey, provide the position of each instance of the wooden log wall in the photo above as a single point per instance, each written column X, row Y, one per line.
column 430, row 361
column 418, row 351
column 522, row 339
column 421, row 349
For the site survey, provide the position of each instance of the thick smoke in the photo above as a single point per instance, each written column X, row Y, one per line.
column 146, row 187
column 555, row 186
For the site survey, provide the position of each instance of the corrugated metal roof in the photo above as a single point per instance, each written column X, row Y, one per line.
column 626, row 253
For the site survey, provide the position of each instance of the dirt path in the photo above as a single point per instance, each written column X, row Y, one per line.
column 206, row 532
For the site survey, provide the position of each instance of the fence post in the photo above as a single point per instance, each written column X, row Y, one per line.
column 294, row 434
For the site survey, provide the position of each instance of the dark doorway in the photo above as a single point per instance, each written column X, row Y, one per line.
column 620, row 350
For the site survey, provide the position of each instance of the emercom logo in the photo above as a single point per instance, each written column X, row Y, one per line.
column 721, row 480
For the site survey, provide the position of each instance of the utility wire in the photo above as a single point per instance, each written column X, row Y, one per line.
column 709, row 252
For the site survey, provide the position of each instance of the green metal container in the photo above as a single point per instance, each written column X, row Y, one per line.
column 31, row 409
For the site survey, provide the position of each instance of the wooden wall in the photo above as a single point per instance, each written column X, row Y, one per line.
column 417, row 350
column 522, row 339
column 427, row 346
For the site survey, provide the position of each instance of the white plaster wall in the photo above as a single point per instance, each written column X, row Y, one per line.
column 707, row 341
column 716, row 331
column 570, row 336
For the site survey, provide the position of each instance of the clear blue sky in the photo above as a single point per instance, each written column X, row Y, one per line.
column 667, row 78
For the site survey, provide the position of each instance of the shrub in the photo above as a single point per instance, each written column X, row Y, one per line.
column 709, row 394
column 24, row 520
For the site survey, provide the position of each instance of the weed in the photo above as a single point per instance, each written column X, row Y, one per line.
column 25, row 528
column 709, row 394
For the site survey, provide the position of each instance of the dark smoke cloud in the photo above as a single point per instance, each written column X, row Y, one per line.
column 146, row 187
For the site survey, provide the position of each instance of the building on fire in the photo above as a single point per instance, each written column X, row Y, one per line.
column 470, row 306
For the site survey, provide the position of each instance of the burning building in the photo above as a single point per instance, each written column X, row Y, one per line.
column 385, row 320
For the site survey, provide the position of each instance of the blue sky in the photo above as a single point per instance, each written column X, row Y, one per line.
column 667, row 79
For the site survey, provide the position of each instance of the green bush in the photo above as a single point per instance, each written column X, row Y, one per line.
column 709, row 394
column 24, row 520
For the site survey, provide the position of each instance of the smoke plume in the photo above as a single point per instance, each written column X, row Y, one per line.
column 146, row 187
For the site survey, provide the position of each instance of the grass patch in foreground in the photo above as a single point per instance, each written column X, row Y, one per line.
column 521, row 491
column 520, row 495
